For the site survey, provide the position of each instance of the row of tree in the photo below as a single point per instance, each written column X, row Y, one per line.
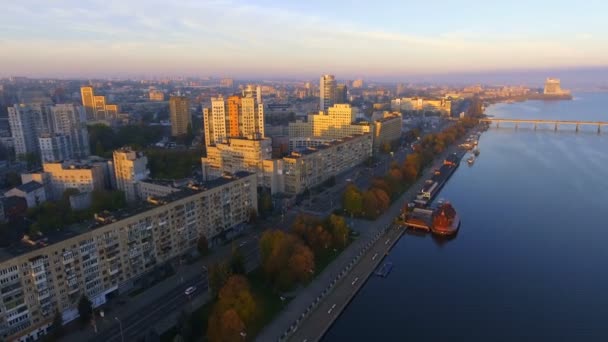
column 290, row 258
column 376, row 200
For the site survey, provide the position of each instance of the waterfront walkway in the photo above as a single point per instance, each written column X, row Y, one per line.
column 294, row 323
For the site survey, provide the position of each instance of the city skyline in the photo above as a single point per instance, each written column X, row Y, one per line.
column 274, row 39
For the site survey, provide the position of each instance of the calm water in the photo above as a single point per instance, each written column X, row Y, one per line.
column 530, row 262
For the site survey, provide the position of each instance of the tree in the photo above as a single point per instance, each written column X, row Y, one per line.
column 302, row 263
column 57, row 329
column 85, row 309
column 225, row 326
column 352, row 200
column 237, row 262
column 339, row 230
column 236, row 295
column 13, row 179
column 202, row 245
column 218, row 275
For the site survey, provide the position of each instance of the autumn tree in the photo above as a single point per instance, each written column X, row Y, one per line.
column 338, row 230
column 352, row 200
column 225, row 327
column 218, row 275
column 236, row 295
column 301, row 263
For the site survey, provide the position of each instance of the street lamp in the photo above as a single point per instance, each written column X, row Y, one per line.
column 122, row 337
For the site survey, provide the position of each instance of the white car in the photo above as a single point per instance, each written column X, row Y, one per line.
column 190, row 290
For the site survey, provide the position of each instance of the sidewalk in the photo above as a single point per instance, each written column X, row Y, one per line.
column 368, row 229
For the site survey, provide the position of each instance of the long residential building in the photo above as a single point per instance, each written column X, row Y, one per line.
column 237, row 154
column 107, row 256
column 310, row 167
column 337, row 123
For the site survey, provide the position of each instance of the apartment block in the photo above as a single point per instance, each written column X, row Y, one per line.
column 54, row 147
column 233, row 117
column 443, row 105
column 238, row 154
column 130, row 167
column 156, row 95
column 179, row 108
column 387, row 129
column 311, row 167
column 337, row 123
column 108, row 255
column 71, row 120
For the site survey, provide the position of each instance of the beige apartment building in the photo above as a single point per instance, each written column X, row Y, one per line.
column 238, row 154
column 130, row 167
column 233, row 117
column 179, row 108
column 387, row 129
column 309, row 168
column 156, row 95
column 337, row 123
column 107, row 255
column 443, row 105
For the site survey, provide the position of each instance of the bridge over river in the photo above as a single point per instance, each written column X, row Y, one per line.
column 555, row 123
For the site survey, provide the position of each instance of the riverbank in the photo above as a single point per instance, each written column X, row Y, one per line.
column 316, row 320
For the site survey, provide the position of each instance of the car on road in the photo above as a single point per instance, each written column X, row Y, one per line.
column 190, row 290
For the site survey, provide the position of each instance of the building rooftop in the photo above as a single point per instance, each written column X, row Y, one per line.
column 29, row 186
column 25, row 245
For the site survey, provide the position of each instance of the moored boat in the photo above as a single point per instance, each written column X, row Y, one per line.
column 445, row 220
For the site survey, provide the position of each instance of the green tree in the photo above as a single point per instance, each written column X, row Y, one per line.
column 13, row 179
column 85, row 310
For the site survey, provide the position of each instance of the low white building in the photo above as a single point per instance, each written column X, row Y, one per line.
column 33, row 193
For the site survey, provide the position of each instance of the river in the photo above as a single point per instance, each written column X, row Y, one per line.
column 530, row 260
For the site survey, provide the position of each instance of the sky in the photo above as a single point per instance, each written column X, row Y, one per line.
column 293, row 39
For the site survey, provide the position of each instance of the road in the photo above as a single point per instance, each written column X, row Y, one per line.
column 143, row 313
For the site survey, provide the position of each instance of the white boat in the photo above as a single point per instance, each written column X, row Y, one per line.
column 471, row 160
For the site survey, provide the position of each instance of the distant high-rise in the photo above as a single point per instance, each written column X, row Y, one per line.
column 341, row 94
column 27, row 122
column 111, row 111
column 553, row 87
column 88, row 102
column 234, row 112
column 55, row 147
column 179, row 107
column 327, row 91
column 100, row 107
column 130, row 167
column 70, row 120
column 233, row 117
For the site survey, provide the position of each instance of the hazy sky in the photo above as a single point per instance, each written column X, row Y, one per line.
column 273, row 38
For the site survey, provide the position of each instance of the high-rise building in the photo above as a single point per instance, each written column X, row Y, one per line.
column 111, row 111
column 100, row 107
column 341, row 95
column 70, row 119
column 179, row 107
column 327, row 91
column 553, row 87
column 234, row 117
column 214, row 122
column 54, row 147
column 130, row 167
column 88, row 102
column 234, row 112
column 26, row 123
column 253, row 91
